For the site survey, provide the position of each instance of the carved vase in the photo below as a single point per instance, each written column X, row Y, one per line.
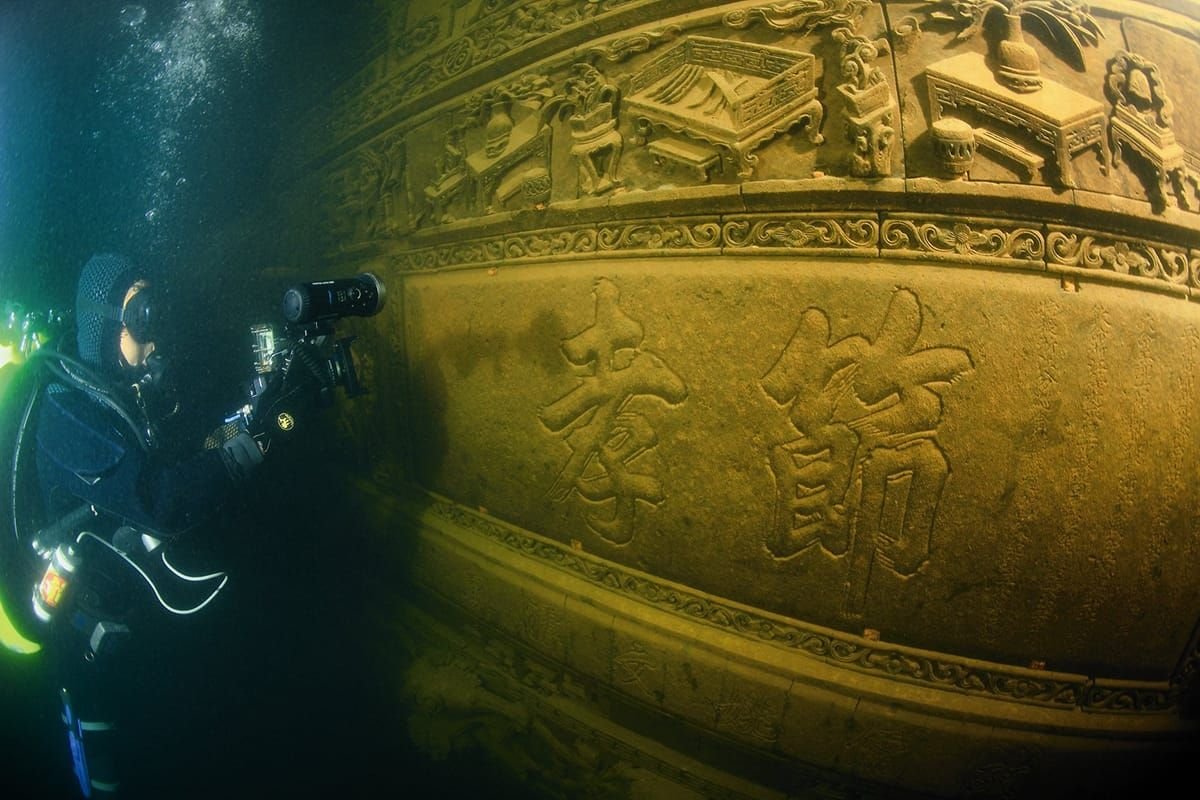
column 1020, row 67
column 499, row 128
column 861, row 102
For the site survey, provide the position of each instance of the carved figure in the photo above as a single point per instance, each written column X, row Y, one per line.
column 869, row 107
column 733, row 95
column 383, row 168
column 1141, row 121
column 590, row 104
column 597, row 419
column 865, row 477
column 1067, row 21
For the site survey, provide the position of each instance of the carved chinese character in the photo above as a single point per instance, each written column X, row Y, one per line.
column 865, row 476
column 600, row 423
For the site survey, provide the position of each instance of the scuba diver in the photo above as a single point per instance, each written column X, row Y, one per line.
column 100, row 488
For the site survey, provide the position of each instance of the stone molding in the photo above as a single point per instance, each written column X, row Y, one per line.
column 393, row 92
column 1017, row 244
column 940, row 671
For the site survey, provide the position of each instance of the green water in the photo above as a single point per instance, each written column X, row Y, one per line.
column 153, row 130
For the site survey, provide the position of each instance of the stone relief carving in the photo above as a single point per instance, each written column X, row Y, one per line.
column 500, row 27
column 1071, row 247
column 1014, row 111
column 368, row 197
column 420, row 35
column 869, row 106
column 462, row 704
column 498, row 156
column 515, row 152
column 1035, row 687
column 954, row 144
column 823, row 233
column 731, row 95
column 450, row 170
column 599, row 420
column 1011, row 123
column 1141, row 123
column 864, row 478
column 623, row 47
column 634, row 665
column 493, row 33
column 979, row 240
column 1012, row 243
column 1018, row 64
column 590, row 104
column 800, row 16
column 962, row 241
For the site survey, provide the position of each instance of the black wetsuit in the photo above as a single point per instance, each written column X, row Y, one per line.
column 87, row 454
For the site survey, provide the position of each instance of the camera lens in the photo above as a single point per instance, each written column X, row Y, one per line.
column 360, row 296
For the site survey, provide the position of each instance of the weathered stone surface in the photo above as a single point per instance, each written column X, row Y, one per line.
column 723, row 398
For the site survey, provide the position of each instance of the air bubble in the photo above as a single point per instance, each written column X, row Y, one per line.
column 132, row 16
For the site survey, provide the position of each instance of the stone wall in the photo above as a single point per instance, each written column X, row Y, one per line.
column 782, row 399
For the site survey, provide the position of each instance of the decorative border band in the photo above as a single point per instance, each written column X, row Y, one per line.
column 933, row 670
column 972, row 242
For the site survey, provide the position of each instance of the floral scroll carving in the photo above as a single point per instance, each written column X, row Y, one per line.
column 799, row 16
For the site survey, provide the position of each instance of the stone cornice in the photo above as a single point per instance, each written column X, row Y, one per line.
column 1159, row 263
column 930, row 670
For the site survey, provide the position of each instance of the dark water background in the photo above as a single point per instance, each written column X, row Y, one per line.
column 150, row 135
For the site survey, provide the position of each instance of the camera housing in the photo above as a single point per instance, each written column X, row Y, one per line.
column 301, row 363
column 361, row 296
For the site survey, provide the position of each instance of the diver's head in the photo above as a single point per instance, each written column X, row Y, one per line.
column 115, row 315
column 135, row 342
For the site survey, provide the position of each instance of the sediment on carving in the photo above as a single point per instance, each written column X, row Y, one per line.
column 990, row 243
column 934, row 670
column 869, row 106
column 1141, row 123
column 1139, row 258
column 735, row 96
column 972, row 239
column 659, row 236
column 804, row 233
column 863, row 480
column 798, row 16
column 602, row 423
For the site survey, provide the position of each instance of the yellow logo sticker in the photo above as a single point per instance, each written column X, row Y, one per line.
column 285, row 421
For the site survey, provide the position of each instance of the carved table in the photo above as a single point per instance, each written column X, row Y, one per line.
column 734, row 95
column 1061, row 118
column 529, row 140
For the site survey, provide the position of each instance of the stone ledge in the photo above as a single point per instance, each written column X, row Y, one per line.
column 764, row 696
column 826, row 658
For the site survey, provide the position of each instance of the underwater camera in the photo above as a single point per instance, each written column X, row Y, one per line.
column 300, row 364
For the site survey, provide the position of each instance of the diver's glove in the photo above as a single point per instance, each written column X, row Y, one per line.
column 241, row 455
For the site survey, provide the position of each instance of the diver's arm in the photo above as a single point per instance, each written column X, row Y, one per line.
column 175, row 496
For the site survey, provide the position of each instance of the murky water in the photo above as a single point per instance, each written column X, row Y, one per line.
column 152, row 130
